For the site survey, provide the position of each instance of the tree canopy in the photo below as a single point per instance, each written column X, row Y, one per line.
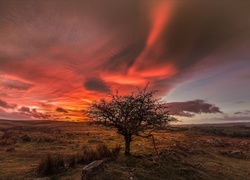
column 134, row 114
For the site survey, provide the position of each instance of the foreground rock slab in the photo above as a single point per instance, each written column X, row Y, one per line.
column 92, row 169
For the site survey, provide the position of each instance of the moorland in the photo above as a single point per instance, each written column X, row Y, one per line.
column 59, row 150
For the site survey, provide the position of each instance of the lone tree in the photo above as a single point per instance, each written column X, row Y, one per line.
column 135, row 114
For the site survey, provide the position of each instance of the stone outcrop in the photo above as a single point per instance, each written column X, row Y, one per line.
column 92, row 169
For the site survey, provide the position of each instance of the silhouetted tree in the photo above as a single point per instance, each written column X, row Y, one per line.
column 135, row 114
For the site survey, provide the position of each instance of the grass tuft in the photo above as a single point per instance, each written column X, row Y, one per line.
column 50, row 165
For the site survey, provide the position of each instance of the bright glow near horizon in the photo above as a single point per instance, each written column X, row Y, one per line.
column 57, row 56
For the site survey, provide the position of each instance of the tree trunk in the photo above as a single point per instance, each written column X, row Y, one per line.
column 128, row 139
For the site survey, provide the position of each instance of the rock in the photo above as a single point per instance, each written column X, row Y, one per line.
column 210, row 141
column 92, row 169
column 236, row 152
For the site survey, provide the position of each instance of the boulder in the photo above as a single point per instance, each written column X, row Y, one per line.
column 92, row 169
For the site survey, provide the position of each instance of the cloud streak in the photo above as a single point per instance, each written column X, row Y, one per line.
column 59, row 109
column 65, row 53
column 6, row 105
column 33, row 113
column 96, row 84
column 190, row 108
column 246, row 112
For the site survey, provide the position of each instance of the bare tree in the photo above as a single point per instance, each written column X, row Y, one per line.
column 135, row 114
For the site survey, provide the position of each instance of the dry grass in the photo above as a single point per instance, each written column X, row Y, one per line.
column 101, row 152
column 50, row 164
column 185, row 153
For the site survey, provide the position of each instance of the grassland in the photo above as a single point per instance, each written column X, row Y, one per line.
column 184, row 152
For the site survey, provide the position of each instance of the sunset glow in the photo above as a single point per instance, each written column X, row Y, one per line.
column 58, row 56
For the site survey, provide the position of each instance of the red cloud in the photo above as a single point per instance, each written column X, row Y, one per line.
column 6, row 105
column 67, row 53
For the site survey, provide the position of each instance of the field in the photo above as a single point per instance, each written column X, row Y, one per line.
column 183, row 152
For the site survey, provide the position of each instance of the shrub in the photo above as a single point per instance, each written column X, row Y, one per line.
column 25, row 138
column 116, row 151
column 71, row 161
column 10, row 149
column 6, row 142
column 6, row 135
column 103, row 151
column 87, row 156
column 45, row 139
column 50, row 165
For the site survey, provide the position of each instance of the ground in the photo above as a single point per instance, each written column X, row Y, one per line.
column 183, row 152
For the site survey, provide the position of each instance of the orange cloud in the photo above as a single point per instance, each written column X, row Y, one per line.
column 160, row 15
column 67, row 53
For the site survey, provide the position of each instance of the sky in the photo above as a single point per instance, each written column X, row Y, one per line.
column 56, row 56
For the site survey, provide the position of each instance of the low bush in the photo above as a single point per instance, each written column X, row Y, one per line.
column 87, row 156
column 45, row 139
column 51, row 164
column 71, row 161
column 103, row 151
column 6, row 142
column 10, row 149
column 116, row 151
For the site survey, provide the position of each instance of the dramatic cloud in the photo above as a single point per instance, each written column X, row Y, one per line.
column 59, row 109
column 33, row 113
column 190, row 108
column 95, row 84
column 7, row 105
column 66, row 53
column 24, row 109
column 13, row 115
column 14, row 84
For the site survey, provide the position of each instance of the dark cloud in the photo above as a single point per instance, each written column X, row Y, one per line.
column 45, row 105
column 96, row 84
column 120, row 44
column 33, row 113
column 246, row 112
column 3, row 104
column 235, row 118
column 24, row 109
column 240, row 102
column 130, row 53
column 40, row 115
column 59, row 109
column 15, row 84
column 13, row 115
column 7, row 105
column 198, row 28
column 190, row 108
